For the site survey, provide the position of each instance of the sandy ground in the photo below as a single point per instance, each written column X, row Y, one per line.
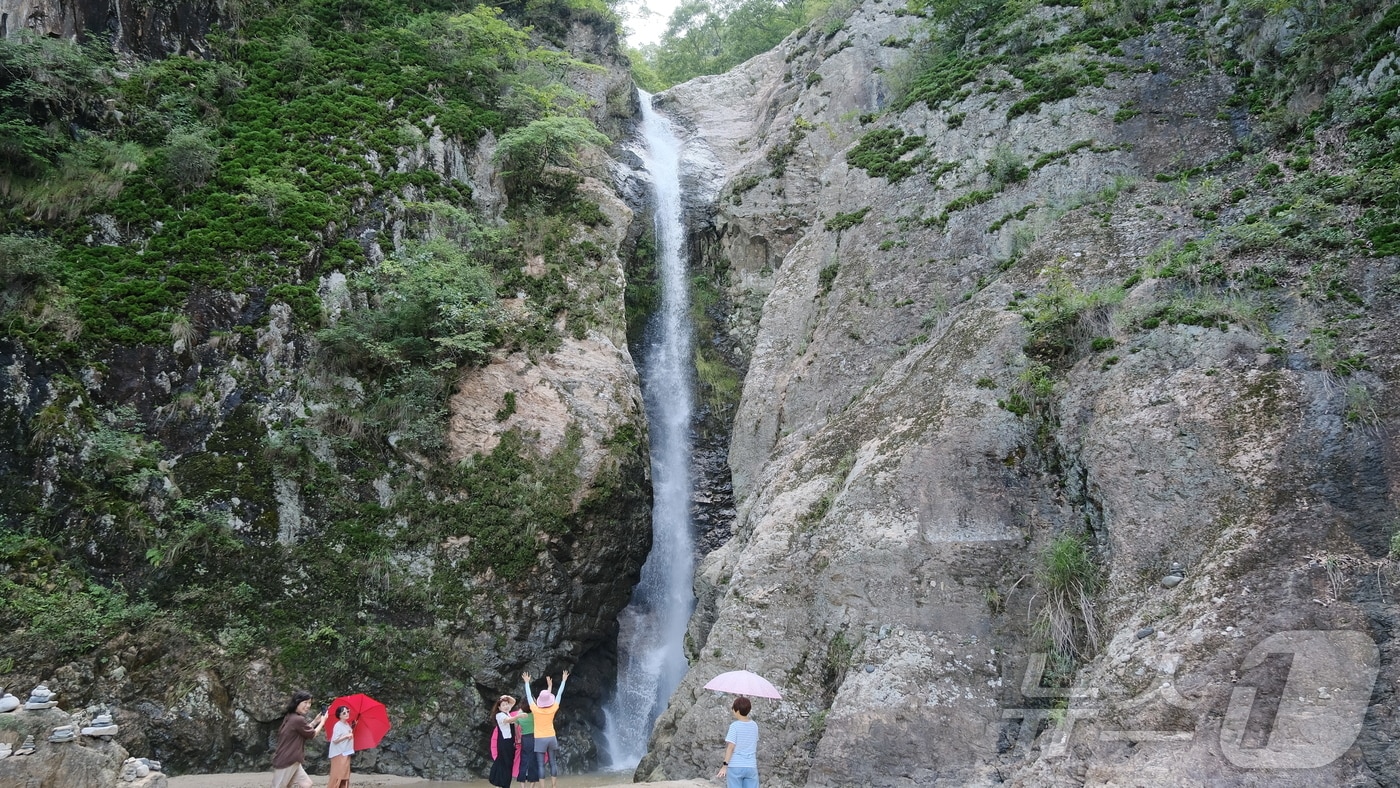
column 261, row 780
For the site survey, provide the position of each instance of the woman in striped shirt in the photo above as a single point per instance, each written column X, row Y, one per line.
column 740, row 768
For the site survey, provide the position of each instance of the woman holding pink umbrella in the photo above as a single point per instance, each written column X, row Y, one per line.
column 740, row 769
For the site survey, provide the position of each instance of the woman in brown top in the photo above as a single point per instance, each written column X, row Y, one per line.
column 291, row 743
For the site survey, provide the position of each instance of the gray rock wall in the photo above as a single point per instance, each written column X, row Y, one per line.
column 892, row 511
column 150, row 30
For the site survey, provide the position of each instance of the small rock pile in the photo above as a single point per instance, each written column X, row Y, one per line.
column 46, row 747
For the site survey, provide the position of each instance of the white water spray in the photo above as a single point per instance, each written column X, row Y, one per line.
column 651, row 656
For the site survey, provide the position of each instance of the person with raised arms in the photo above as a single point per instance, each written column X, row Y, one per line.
column 543, row 711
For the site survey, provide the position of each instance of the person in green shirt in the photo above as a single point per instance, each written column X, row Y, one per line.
column 529, row 773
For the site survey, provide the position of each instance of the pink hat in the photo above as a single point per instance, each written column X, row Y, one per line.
column 546, row 699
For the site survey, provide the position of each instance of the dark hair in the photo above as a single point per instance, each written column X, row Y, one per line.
column 297, row 698
column 742, row 705
column 339, row 709
column 495, row 709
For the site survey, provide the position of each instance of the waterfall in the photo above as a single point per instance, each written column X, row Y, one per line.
column 651, row 656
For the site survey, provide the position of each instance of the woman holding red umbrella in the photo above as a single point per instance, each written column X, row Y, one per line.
column 369, row 720
column 342, row 738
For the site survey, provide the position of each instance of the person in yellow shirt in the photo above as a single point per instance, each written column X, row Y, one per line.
column 543, row 711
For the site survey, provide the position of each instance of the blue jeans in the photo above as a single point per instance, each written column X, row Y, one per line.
column 742, row 776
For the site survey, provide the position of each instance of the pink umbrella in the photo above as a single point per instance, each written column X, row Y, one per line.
column 743, row 682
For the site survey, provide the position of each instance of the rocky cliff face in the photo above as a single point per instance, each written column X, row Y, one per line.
column 290, row 465
column 1059, row 324
column 581, row 402
column 136, row 28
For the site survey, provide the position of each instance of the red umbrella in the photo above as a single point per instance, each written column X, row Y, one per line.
column 367, row 715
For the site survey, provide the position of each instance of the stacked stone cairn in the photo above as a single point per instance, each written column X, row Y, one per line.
column 63, row 733
column 102, row 726
column 58, row 754
column 41, row 698
column 26, row 748
column 134, row 769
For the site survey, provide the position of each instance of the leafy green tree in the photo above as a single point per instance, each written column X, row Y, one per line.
column 433, row 307
column 528, row 154
column 190, row 157
column 705, row 37
column 540, row 87
column 299, row 58
column 643, row 68
column 273, row 196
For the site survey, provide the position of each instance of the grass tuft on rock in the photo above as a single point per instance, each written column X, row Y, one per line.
column 1069, row 579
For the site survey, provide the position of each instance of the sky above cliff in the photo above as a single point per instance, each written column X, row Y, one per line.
column 645, row 20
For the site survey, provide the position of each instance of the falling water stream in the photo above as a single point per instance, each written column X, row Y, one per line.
column 651, row 658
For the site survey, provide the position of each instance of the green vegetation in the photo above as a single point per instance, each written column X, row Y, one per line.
column 531, row 154
column 643, row 294
column 219, row 170
column 779, row 154
column 1322, row 347
column 187, row 203
column 1012, row 216
column 839, row 653
column 1006, row 167
column 719, row 381
column 1335, row 34
column 1069, row 579
column 967, row 36
column 881, row 153
column 1044, row 160
column 845, row 221
column 712, row 36
column 434, row 308
column 56, row 605
column 1062, row 318
column 1360, row 407
column 1204, row 309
